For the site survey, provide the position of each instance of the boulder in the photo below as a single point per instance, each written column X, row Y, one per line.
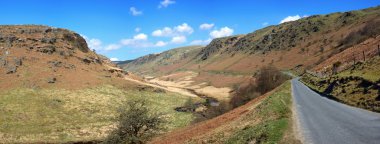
column 51, row 80
column 3, row 61
column 11, row 69
column 55, row 64
column 87, row 60
column 70, row 66
column 49, row 40
column 47, row 49
column 17, row 61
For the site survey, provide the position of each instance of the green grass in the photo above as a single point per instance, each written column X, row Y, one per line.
column 57, row 115
column 274, row 114
column 356, row 86
column 369, row 70
column 267, row 132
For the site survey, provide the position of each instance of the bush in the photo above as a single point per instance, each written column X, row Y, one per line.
column 267, row 79
column 136, row 124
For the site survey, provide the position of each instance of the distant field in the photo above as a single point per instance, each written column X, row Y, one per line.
column 57, row 115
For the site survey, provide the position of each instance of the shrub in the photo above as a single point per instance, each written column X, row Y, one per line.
column 136, row 124
column 267, row 79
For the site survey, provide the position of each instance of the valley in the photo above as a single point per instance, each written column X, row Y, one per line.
column 315, row 79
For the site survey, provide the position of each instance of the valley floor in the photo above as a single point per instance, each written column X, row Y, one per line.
column 59, row 115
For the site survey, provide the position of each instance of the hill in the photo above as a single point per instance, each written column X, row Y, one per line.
column 304, row 42
column 299, row 45
column 161, row 63
column 41, row 57
column 54, row 89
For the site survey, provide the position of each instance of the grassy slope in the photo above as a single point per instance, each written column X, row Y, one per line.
column 274, row 114
column 57, row 115
column 357, row 86
column 266, row 123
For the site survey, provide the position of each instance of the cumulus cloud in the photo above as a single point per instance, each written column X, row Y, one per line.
column 225, row 31
column 95, row 44
column 160, row 44
column 135, row 12
column 178, row 39
column 183, row 29
column 140, row 36
column 291, row 18
column 114, row 59
column 165, row 3
column 200, row 42
column 166, row 31
column 139, row 40
column 206, row 26
column 112, row 47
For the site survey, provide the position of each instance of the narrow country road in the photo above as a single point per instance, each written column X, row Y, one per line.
column 324, row 121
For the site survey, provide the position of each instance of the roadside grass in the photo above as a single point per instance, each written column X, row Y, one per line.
column 274, row 114
column 369, row 70
column 58, row 115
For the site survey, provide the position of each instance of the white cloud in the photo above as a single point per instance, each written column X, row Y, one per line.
column 95, row 44
column 206, row 26
column 139, row 40
column 200, row 42
column 178, row 39
column 114, row 59
column 135, row 12
column 166, row 31
column 112, row 47
column 183, row 29
column 265, row 23
column 140, row 36
column 225, row 31
column 160, row 44
column 291, row 18
column 165, row 3
column 137, row 29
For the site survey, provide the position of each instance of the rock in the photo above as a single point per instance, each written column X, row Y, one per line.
column 55, row 63
column 52, row 80
column 47, row 49
column 87, row 60
column 11, row 69
column 3, row 61
column 49, row 40
column 70, row 66
column 17, row 62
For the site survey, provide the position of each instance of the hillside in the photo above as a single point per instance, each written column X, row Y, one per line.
column 161, row 63
column 45, row 57
column 311, row 43
column 54, row 89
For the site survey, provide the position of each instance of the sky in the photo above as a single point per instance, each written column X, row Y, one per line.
column 128, row 29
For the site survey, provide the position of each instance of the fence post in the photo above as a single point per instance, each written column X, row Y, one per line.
column 363, row 56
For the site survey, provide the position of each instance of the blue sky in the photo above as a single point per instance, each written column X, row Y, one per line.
column 127, row 29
